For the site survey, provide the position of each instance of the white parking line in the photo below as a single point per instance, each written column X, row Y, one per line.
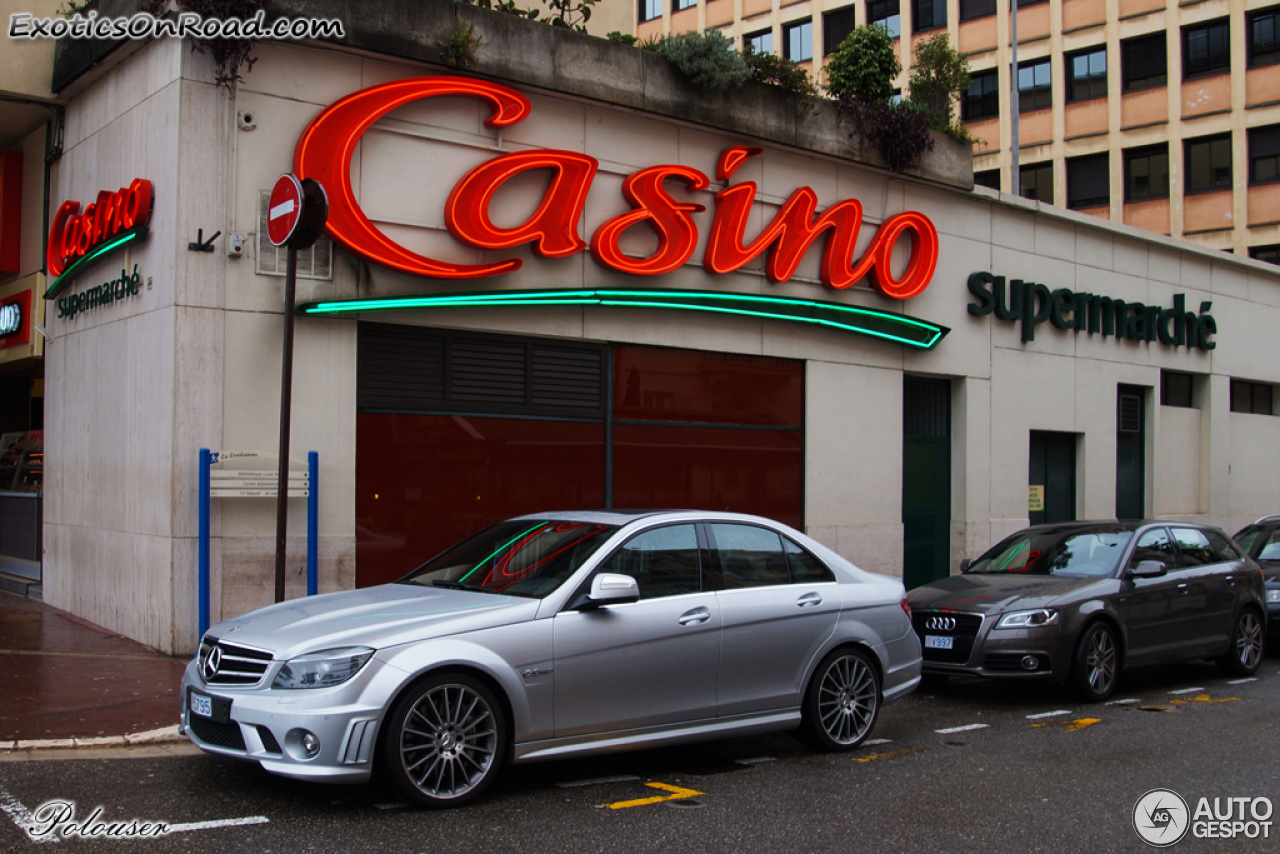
column 1120, row 702
column 1242, row 681
column 21, row 816
column 221, row 822
column 1186, row 691
column 1048, row 714
column 755, row 760
column 598, row 781
column 965, row 728
column 873, row 742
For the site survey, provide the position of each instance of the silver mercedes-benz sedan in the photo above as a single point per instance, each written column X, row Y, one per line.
column 561, row 634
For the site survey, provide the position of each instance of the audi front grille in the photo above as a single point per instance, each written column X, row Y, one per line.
column 962, row 628
column 233, row 665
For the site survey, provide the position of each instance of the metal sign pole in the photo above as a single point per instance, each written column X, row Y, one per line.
column 286, row 395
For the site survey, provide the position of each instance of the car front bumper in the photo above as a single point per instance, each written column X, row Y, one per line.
column 267, row 726
column 1001, row 653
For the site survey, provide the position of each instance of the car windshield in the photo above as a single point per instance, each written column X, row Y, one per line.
column 1081, row 554
column 520, row 558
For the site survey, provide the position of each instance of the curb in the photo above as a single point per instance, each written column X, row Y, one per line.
column 165, row 735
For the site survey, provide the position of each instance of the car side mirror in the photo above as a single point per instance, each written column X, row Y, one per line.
column 1149, row 569
column 965, row 564
column 608, row 588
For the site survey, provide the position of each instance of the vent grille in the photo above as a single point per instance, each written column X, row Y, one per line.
column 219, row 735
column 236, row 665
column 1130, row 416
column 269, row 742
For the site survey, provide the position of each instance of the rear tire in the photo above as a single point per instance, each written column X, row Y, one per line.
column 1095, row 665
column 842, row 701
column 444, row 741
column 1247, row 645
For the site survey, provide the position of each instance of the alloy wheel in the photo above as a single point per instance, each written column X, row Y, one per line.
column 1100, row 659
column 1249, row 640
column 847, row 699
column 448, row 741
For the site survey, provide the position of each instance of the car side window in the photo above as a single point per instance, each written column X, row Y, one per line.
column 749, row 556
column 805, row 568
column 1271, row 551
column 1195, row 547
column 1224, row 547
column 1154, row 545
column 663, row 561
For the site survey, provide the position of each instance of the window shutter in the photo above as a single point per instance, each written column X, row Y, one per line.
column 1144, row 58
column 1088, row 181
column 970, row 9
column 1264, row 142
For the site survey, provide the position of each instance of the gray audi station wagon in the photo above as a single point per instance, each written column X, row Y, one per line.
column 561, row 634
column 1078, row 602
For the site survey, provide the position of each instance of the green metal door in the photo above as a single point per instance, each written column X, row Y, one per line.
column 1053, row 469
column 926, row 480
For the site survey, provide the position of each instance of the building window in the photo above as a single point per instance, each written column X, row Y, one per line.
column 1037, row 182
column 971, row 9
column 797, row 41
column 1143, row 62
column 1251, row 397
column 836, row 26
column 1206, row 49
column 1208, row 163
column 987, row 178
column 885, row 13
column 1146, row 173
column 1264, row 155
column 761, row 42
column 982, row 101
column 1035, row 89
column 681, row 5
column 928, row 14
column 1270, row 254
column 1261, row 35
column 1175, row 389
column 650, row 9
column 1089, row 181
column 1087, row 74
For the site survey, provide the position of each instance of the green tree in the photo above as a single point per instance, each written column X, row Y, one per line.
column 940, row 76
column 707, row 59
column 864, row 65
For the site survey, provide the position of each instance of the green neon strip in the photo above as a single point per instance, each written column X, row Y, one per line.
column 74, row 270
column 908, row 331
column 499, row 551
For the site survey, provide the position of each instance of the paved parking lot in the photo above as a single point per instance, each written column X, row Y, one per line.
column 969, row 767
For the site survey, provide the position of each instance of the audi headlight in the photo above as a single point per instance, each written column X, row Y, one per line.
column 1028, row 619
column 322, row 669
column 1273, row 595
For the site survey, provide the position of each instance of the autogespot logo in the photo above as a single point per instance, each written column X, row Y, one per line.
column 1160, row 817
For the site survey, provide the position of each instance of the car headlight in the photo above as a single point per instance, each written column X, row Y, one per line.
column 1273, row 596
column 322, row 669
column 1028, row 619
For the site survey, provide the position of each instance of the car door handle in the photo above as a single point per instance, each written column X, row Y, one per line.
column 809, row 600
column 1183, row 588
column 694, row 617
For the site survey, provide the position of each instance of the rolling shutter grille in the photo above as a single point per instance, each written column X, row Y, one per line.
column 409, row 369
column 926, row 408
column 1089, row 181
column 1264, row 142
column 1130, row 413
column 1144, row 57
column 971, row 9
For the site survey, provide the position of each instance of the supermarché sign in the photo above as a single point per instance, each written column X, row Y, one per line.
column 1031, row 304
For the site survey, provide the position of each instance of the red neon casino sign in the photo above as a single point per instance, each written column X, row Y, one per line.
column 325, row 149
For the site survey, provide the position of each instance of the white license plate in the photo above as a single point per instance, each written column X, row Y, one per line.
column 201, row 705
column 937, row 642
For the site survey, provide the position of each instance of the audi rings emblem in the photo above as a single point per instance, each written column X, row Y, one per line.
column 211, row 663
column 941, row 624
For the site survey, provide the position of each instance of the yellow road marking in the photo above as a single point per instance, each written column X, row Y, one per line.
column 677, row 793
column 1203, row 700
column 1072, row 726
column 889, row 755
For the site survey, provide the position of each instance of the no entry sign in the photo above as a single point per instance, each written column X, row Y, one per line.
column 296, row 212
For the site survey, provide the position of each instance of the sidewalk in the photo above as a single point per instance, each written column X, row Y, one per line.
column 67, row 683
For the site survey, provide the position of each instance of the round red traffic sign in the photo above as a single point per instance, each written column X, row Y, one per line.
column 284, row 209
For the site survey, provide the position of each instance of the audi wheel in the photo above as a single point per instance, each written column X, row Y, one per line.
column 1245, row 656
column 842, row 701
column 1095, row 666
column 444, row 741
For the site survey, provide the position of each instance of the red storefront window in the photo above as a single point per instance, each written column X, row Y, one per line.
column 425, row 482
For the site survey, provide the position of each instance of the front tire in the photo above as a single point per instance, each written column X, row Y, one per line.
column 1095, row 665
column 1247, row 646
column 444, row 741
column 842, row 701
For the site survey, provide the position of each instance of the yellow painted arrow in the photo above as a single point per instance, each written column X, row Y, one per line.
column 1072, row 726
column 677, row 793
column 1204, row 700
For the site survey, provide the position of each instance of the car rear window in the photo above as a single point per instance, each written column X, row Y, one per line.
column 1079, row 554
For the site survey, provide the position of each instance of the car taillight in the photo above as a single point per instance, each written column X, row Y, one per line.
column 906, row 609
